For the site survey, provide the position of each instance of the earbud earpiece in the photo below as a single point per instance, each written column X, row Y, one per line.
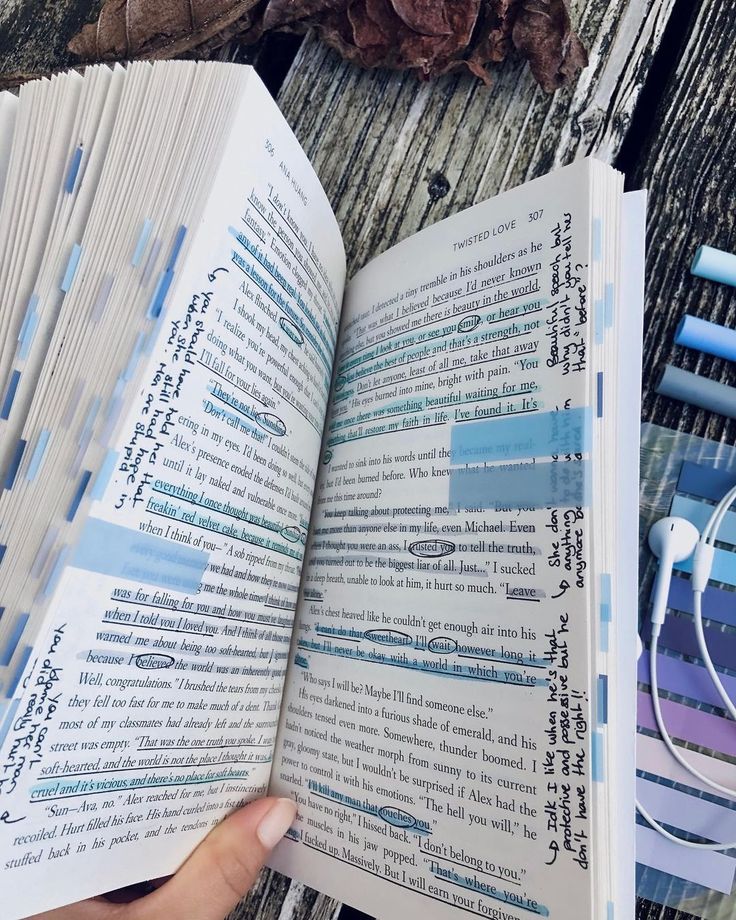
column 671, row 539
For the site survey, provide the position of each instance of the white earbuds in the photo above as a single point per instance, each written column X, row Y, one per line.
column 671, row 539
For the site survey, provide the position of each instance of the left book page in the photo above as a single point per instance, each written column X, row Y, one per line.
column 147, row 707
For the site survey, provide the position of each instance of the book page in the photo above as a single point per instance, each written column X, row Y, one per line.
column 148, row 708
column 436, row 725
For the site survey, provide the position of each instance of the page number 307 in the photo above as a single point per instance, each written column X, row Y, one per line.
column 536, row 215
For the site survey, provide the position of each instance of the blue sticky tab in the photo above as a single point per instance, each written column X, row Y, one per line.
column 8, row 721
column 609, row 911
column 606, row 598
column 3, row 549
column 71, row 267
column 22, row 662
column 15, row 464
column 104, row 474
column 599, row 321
column 123, row 552
column 71, row 175
column 56, row 571
column 539, row 434
column 564, row 484
column 159, row 294
column 604, row 636
column 705, row 481
column 176, row 248
column 41, row 444
column 599, row 394
column 10, row 395
column 28, row 334
column 608, row 300
column 602, row 699
column 597, row 241
column 78, row 495
column 140, row 246
column 11, row 643
column 597, row 765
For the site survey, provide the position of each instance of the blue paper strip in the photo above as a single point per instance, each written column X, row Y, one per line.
column 122, row 552
column 602, row 699
column 8, row 721
column 15, row 464
column 78, row 495
column 15, row 680
column 10, row 395
column 718, row 603
column 597, row 765
column 3, row 548
column 564, row 484
column 176, row 248
column 41, row 444
column 104, row 474
column 159, row 294
column 540, row 434
column 698, row 513
column 691, row 681
column 140, row 246
column 71, row 267
column 71, row 175
column 606, row 588
column 724, row 566
column 705, row 481
column 28, row 335
column 11, row 643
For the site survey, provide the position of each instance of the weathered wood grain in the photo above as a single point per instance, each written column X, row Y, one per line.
column 386, row 147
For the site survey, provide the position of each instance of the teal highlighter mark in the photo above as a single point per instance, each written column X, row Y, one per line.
column 42, row 443
column 122, row 552
column 71, row 267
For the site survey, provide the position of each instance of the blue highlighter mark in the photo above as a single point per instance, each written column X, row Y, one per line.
column 122, row 552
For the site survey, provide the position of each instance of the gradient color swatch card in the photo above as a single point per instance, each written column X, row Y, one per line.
column 363, row 545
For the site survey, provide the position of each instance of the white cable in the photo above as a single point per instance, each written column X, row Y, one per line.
column 655, row 825
column 705, row 655
column 723, row 790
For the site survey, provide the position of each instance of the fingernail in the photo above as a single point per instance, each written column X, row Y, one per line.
column 276, row 822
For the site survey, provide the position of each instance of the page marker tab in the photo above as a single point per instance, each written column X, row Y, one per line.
column 602, row 699
column 3, row 549
column 15, row 680
column 599, row 394
column 78, row 495
column 715, row 265
column 14, row 637
column 56, row 570
column 606, row 593
column 608, row 300
column 597, row 768
column 71, row 267
column 71, row 174
column 10, row 395
column 564, row 484
column 104, row 474
column 123, row 552
column 15, row 464
column 38, row 453
column 159, row 294
column 28, row 329
column 176, row 247
column 140, row 246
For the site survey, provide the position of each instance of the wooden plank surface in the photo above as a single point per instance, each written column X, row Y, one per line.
column 386, row 147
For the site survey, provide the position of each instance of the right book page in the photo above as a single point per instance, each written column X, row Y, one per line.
column 444, row 725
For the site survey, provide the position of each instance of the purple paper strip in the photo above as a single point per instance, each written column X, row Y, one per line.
column 687, row 812
column 678, row 634
column 689, row 724
column 718, row 604
column 704, row 867
column 690, row 680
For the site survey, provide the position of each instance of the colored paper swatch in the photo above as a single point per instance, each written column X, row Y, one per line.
column 704, row 867
column 653, row 757
column 689, row 724
column 718, row 603
column 690, row 680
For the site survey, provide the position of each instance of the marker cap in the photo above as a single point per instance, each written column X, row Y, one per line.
column 714, row 264
column 706, row 336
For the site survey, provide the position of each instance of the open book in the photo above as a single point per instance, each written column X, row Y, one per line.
column 364, row 546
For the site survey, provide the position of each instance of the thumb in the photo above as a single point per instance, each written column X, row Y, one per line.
column 223, row 867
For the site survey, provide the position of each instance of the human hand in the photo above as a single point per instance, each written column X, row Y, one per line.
column 212, row 880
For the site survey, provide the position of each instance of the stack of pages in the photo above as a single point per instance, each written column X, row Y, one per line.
column 372, row 547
